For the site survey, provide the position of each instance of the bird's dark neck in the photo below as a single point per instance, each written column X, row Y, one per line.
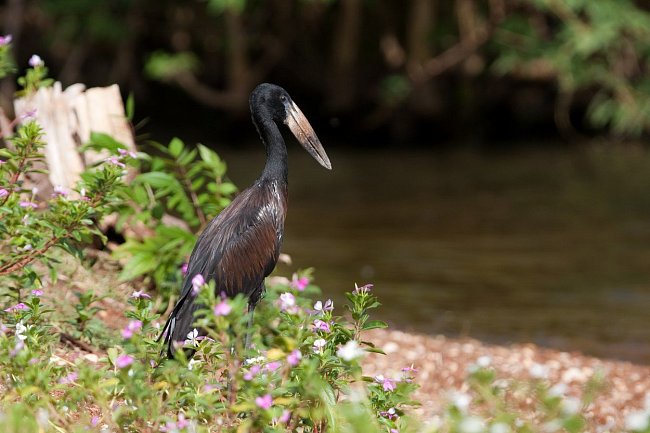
column 276, row 150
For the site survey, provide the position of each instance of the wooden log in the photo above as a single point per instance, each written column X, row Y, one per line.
column 68, row 117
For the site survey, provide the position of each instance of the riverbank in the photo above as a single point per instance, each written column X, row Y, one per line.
column 443, row 364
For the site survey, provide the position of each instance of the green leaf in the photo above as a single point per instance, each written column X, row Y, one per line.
column 175, row 147
column 374, row 324
column 130, row 107
column 139, row 265
column 157, row 179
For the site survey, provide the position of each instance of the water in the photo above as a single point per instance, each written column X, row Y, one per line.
column 543, row 246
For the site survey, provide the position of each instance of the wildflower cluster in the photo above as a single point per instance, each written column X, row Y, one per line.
column 32, row 225
column 278, row 384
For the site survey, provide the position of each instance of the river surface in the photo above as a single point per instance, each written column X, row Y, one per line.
column 544, row 245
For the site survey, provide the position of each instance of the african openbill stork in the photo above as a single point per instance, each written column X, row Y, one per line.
column 240, row 246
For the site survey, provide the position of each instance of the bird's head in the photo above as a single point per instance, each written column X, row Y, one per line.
column 277, row 104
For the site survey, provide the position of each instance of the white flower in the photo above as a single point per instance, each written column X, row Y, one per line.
column 552, row 426
column 571, row 405
column 499, row 427
column 350, row 350
column 471, row 424
column 557, row 390
column 319, row 344
column 192, row 363
column 192, row 338
column 43, row 417
column 538, row 371
column 636, row 421
column 461, row 400
column 484, row 361
column 35, row 60
column 287, row 300
column 20, row 331
column 258, row 360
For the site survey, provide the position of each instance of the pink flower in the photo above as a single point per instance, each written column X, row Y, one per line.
column 124, row 152
column 95, row 420
column 285, row 417
column 131, row 327
column 362, row 290
column 184, row 269
column 60, row 191
column 124, row 361
column 222, row 308
column 26, row 203
column 387, row 384
column 18, row 307
column 320, row 325
column 37, row 292
column 264, row 402
column 294, row 358
column 299, row 283
column 182, row 422
column 5, row 40
column 35, row 61
column 70, row 378
column 197, row 282
column 410, row 369
column 20, row 345
column 115, row 161
column 272, row 366
column 140, row 294
column 3, row 193
column 250, row 374
column 29, row 114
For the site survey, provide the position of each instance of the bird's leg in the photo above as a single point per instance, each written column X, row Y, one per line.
column 251, row 309
column 247, row 340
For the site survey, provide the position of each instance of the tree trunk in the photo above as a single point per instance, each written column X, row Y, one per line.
column 239, row 72
column 342, row 78
column 424, row 96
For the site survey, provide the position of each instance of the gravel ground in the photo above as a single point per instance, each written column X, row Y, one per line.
column 443, row 364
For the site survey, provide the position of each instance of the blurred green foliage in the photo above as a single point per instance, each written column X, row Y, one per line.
column 363, row 58
column 598, row 48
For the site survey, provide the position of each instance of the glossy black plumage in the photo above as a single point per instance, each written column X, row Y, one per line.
column 240, row 247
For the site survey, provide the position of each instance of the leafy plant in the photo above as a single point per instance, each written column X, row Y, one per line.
column 30, row 229
column 177, row 192
column 35, row 77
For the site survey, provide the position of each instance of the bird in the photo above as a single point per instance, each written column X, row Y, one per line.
column 241, row 245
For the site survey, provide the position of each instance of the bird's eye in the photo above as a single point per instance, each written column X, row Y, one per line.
column 283, row 98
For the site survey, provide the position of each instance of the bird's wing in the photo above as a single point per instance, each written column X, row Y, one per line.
column 237, row 250
column 240, row 247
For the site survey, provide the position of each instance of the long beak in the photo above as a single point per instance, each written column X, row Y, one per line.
column 304, row 133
